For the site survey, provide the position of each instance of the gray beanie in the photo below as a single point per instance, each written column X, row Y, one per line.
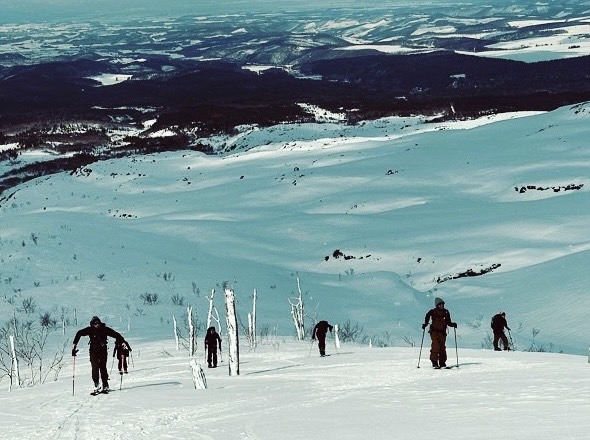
column 438, row 301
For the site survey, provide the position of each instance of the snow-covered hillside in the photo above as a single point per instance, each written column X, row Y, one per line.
column 374, row 219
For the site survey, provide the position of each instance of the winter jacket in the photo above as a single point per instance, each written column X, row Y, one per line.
column 498, row 323
column 320, row 329
column 98, row 336
column 211, row 339
column 440, row 317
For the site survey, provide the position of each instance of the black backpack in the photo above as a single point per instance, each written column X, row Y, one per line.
column 495, row 321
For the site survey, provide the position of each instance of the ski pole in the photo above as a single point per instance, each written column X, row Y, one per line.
column 310, row 347
column 112, row 363
column 511, row 341
column 421, row 343
column 121, row 382
column 456, row 349
column 73, row 375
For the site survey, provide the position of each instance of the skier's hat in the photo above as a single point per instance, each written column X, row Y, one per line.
column 95, row 320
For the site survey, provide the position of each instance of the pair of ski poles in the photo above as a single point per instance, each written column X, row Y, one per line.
column 422, row 343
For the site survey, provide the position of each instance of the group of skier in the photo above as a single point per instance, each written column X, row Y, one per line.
column 98, row 333
column 439, row 319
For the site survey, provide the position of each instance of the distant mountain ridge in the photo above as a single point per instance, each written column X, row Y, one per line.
column 103, row 88
column 359, row 84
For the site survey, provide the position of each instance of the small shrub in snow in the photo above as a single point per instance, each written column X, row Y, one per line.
column 47, row 321
column 177, row 300
column 29, row 305
column 150, row 298
column 350, row 332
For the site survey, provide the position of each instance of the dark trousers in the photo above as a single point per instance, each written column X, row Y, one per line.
column 438, row 348
column 98, row 361
column 212, row 356
column 322, row 344
column 122, row 362
column 500, row 336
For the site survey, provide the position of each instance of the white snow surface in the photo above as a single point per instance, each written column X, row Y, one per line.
column 286, row 391
column 108, row 79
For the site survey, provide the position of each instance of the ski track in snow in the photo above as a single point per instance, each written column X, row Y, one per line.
column 291, row 393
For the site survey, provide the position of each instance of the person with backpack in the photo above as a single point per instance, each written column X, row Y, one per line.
column 439, row 319
column 98, row 332
column 319, row 331
column 498, row 324
column 211, row 340
column 121, row 352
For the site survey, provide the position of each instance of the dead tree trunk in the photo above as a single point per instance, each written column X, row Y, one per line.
column 336, row 337
column 191, row 332
column 252, row 322
column 232, row 333
column 199, row 379
column 14, row 368
column 297, row 312
column 175, row 332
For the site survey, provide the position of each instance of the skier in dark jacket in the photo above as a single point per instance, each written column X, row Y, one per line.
column 98, row 333
column 319, row 331
column 498, row 324
column 121, row 352
column 439, row 319
column 211, row 340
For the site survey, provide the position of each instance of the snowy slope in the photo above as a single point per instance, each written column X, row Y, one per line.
column 408, row 203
